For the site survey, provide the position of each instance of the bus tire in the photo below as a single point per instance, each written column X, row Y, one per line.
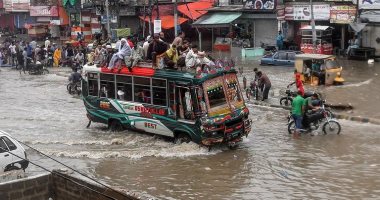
column 115, row 125
column 182, row 137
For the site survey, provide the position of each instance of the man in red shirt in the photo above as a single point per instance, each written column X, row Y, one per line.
column 299, row 84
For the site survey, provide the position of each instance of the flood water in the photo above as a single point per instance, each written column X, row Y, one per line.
column 269, row 164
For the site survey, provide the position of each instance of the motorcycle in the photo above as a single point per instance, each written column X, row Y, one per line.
column 49, row 61
column 313, row 121
column 36, row 69
column 74, row 88
column 253, row 91
column 288, row 99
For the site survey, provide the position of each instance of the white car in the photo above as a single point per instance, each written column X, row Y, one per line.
column 12, row 154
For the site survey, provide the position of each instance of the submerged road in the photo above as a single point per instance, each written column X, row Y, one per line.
column 269, row 164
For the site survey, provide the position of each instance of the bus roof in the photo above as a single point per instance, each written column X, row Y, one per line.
column 174, row 75
column 313, row 56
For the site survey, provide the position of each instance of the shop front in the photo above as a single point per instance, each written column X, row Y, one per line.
column 370, row 35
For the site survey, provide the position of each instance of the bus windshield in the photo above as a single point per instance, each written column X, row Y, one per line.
column 215, row 92
column 223, row 94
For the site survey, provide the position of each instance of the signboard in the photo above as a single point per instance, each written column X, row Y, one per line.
column 157, row 26
column 259, row 4
column 55, row 22
column 16, row 5
column 369, row 4
column 127, row 11
column 303, row 12
column 342, row 14
column 43, row 11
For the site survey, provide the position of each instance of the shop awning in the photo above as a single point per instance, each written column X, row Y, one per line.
column 167, row 21
column 370, row 16
column 195, row 10
column 218, row 19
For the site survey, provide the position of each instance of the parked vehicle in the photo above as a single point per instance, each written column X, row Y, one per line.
column 12, row 154
column 208, row 110
column 281, row 58
column 329, row 72
column 314, row 121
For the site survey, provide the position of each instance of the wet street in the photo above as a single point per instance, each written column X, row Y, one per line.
column 269, row 164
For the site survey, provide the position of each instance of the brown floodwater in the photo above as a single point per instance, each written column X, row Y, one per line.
column 269, row 164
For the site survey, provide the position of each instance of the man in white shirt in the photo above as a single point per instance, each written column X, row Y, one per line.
column 12, row 49
column 47, row 43
column 191, row 57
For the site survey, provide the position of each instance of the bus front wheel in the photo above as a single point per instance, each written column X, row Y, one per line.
column 182, row 138
column 115, row 126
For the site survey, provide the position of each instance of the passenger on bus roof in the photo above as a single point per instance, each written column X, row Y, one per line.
column 123, row 51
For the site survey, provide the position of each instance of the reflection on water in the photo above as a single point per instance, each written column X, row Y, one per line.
column 269, row 164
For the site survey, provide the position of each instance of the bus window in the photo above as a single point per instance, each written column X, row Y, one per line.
column 107, row 85
column 142, row 94
column 159, row 96
column 159, row 92
column 93, row 84
column 124, row 83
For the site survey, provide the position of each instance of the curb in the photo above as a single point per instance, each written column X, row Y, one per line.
column 337, row 116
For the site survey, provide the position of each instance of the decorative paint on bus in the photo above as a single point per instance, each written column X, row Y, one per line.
column 209, row 109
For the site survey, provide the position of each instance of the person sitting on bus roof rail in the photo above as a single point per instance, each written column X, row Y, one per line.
column 191, row 56
column 148, row 40
column 178, row 41
column 170, row 58
column 182, row 52
column 134, row 58
column 202, row 59
column 156, row 47
column 123, row 51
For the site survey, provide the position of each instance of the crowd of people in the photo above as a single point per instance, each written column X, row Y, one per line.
column 16, row 53
column 180, row 54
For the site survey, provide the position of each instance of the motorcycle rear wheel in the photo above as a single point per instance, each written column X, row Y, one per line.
column 332, row 127
column 286, row 101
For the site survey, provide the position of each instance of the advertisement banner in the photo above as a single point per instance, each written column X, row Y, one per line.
column 342, row 14
column 16, row 5
column 260, row 4
column 369, row 4
column 303, row 12
column 44, row 11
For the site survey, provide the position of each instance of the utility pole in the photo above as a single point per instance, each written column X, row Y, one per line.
column 108, row 18
column 314, row 38
column 158, row 12
column 175, row 18
column 150, row 18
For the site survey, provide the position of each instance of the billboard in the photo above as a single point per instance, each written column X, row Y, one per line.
column 44, row 11
column 369, row 4
column 16, row 5
column 303, row 12
column 343, row 14
column 260, row 4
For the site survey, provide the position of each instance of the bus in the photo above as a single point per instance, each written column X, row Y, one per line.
column 207, row 109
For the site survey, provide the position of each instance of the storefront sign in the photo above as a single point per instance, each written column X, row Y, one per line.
column 369, row 4
column 342, row 14
column 303, row 12
column 259, row 4
column 127, row 11
column 43, row 19
column 16, row 5
column 55, row 22
column 44, row 11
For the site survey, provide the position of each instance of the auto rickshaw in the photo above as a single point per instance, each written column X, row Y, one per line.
column 318, row 69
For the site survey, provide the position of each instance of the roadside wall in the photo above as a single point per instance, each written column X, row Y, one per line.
column 31, row 188
column 60, row 186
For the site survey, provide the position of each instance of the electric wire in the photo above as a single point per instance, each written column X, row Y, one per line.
column 104, row 185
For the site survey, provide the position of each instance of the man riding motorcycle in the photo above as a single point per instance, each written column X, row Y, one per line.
column 75, row 77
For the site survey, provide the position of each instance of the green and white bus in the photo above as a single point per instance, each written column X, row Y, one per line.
column 207, row 110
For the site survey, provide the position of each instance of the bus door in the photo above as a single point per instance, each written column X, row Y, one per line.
column 183, row 105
